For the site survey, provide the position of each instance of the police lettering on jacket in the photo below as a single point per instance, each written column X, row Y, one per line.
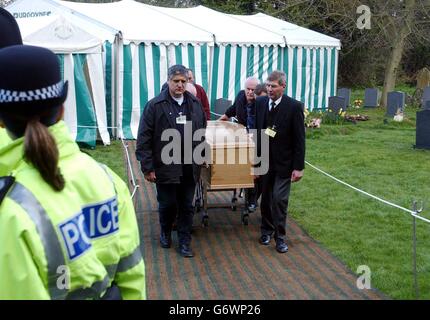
column 94, row 221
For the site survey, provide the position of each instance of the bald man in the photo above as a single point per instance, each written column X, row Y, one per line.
column 244, row 97
column 191, row 88
column 201, row 94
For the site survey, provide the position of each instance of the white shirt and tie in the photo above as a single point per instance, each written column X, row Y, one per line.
column 273, row 104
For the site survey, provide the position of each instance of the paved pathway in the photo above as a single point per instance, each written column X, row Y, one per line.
column 229, row 262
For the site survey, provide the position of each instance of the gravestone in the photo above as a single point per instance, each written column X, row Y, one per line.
column 395, row 102
column 423, row 78
column 336, row 103
column 345, row 93
column 426, row 96
column 371, row 98
column 221, row 105
column 423, row 130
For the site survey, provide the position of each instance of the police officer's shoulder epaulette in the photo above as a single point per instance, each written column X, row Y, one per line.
column 5, row 184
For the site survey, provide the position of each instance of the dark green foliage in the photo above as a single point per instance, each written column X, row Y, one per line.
column 363, row 58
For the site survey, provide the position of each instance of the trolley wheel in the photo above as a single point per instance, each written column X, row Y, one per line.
column 205, row 221
column 233, row 204
column 197, row 206
column 245, row 219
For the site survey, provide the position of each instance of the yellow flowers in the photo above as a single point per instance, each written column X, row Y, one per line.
column 358, row 103
column 306, row 112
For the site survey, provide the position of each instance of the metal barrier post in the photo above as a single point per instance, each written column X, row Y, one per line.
column 417, row 294
column 133, row 181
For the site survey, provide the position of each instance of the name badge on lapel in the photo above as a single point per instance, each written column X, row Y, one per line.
column 271, row 132
column 181, row 119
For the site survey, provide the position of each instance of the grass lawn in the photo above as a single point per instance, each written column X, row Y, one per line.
column 379, row 159
column 112, row 156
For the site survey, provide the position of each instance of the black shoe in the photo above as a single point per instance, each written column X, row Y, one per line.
column 165, row 240
column 281, row 246
column 265, row 239
column 185, row 251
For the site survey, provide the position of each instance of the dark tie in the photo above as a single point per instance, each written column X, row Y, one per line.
column 272, row 106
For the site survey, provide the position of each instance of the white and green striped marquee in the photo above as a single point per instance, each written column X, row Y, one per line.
column 144, row 71
column 77, row 42
column 85, row 107
column 111, row 88
column 311, row 72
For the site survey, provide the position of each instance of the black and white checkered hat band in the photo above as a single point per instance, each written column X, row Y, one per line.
column 50, row 92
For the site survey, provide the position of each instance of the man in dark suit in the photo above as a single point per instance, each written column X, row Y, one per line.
column 281, row 119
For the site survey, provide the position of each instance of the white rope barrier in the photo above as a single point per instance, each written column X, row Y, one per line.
column 133, row 181
column 413, row 213
column 95, row 127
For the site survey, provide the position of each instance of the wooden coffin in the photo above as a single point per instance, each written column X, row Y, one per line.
column 231, row 154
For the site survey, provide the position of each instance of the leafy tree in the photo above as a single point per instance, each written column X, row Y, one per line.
column 398, row 39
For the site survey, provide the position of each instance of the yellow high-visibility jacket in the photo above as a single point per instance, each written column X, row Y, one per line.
column 72, row 244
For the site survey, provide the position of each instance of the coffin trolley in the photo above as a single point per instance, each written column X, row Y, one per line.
column 229, row 167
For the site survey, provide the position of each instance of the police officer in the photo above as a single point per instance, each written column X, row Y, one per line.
column 67, row 224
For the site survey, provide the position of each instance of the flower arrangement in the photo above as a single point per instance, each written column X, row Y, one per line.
column 314, row 123
column 332, row 117
column 311, row 120
column 358, row 103
column 356, row 117
column 399, row 116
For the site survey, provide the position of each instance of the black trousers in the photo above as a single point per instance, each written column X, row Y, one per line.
column 274, row 205
column 177, row 200
column 255, row 193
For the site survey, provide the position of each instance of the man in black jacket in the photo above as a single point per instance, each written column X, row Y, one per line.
column 168, row 123
column 281, row 119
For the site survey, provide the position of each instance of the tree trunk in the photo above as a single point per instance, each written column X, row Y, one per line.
column 396, row 53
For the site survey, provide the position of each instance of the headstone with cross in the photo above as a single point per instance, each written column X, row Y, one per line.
column 371, row 98
column 423, row 78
